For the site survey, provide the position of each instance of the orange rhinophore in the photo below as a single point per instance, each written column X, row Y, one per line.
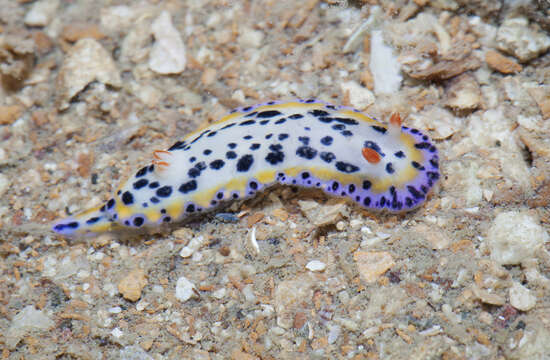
column 395, row 119
column 159, row 157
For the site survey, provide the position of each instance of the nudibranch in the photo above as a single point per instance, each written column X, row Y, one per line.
column 305, row 143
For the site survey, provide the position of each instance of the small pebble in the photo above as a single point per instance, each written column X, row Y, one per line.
column 463, row 93
column 131, row 285
column 220, row 293
column 41, row 13
column 372, row 264
column 501, row 63
column 316, row 265
column 321, row 215
column 434, row 330
column 117, row 333
column 521, row 297
column 365, row 230
column 359, row 97
column 9, row 113
column 487, row 297
column 355, row 223
column 141, row 305
column 184, row 234
column 193, row 246
column 115, row 310
column 185, row 289
column 485, row 318
column 227, row 217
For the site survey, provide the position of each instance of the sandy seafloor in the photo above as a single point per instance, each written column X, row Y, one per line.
column 85, row 100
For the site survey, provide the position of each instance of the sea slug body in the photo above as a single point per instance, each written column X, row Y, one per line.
column 305, row 143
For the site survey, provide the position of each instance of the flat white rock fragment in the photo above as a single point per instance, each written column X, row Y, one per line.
column 521, row 298
column 193, row 246
column 86, row 61
column 184, row 289
column 168, row 54
column 515, row 237
column 41, row 13
column 117, row 333
column 385, row 69
column 27, row 320
column 321, row 215
column 372, row 264
column 523, row 40
column 316, row 265
column 359, row 96
column 463, row 93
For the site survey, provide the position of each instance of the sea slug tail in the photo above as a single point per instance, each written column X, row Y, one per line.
column 91, row 221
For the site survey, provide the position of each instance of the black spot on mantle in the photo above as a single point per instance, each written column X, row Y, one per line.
column 306, row 152
column 245, row 162
column 346, row 167
column 268, row 114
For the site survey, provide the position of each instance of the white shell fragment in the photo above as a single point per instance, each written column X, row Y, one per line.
column 168, row 54
column 185, row 289
column 385, row 68
column 41, row 13
column 359, row 96
column 253, row 241
column 193, row 246
column 87, row 61
column 316, row 265
column 521, row 297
